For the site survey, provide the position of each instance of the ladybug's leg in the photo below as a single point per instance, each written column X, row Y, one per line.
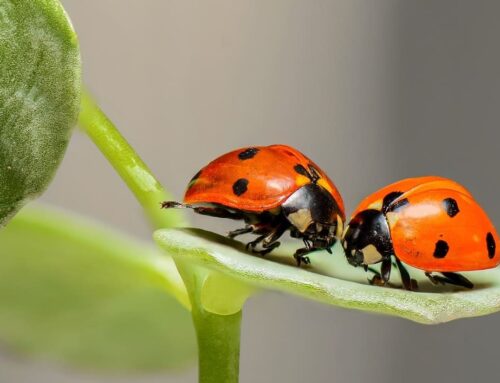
column 408, row 282
column 435, row 279
column 268, row 240
column 450, row 278
column 252, row 245
column 371, row 270
column 458, row 280
column 244, row 230
column 269, row 247
column 382, row 278
column 386, row 269
column 271, row 241
column 300, row 255
column 174, row 204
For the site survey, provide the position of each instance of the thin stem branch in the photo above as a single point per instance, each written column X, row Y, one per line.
column 136, row 174
column 218, row 346
column 218, row 335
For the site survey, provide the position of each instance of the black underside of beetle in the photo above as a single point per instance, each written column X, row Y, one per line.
column 369, row 227
column 270, row 225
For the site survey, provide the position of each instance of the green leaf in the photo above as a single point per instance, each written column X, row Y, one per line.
column 330, row 280
column 39, row 97
column 74, row 292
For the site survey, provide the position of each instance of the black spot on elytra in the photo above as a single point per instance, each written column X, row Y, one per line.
column 441, row 249
column 451, row 207
column 193, row 180
column 248, row 153
column 314, row 173
column 196, row 176
column 399, row 204
column 301, row 170
column 240, row 186
column 389, row 198
column 491, row 245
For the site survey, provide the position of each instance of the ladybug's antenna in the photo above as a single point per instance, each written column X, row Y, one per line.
column 174, row 204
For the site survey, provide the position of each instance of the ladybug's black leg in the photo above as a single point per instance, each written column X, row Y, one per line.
column 450, row 278
column 371, row 270
column 386, row 269
column 307, row 243
column 382, row 278
column 268, row 240
column 300, row 255
column 269, row 247
column 408, row 282
column 458, row 280
column 244, row 230
column 435, row 279
column 253, row 244
column 174, row 204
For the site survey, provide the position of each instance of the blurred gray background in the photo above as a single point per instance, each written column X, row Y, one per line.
column 373, row 91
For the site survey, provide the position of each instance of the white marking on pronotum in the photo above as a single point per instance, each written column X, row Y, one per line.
column 371, row 255
column 340, row 226
column 392, row 219
column 301, row 219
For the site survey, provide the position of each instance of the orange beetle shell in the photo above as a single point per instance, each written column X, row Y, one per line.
column 267, row 174
column 375, row 200
column 436, row 225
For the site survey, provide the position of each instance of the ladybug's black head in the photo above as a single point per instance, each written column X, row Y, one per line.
column 315, row 215
column 367, row 239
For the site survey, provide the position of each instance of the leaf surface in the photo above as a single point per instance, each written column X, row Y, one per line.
column 330, row 279
column 39, row 97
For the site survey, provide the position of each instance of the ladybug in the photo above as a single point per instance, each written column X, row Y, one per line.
column 272, row 189
column 431, row 223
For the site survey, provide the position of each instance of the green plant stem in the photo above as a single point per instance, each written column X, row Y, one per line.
column 218, row 335
column 218, row 346
column 138, row 177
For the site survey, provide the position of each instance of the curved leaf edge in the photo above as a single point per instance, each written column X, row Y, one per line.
column 228, row 257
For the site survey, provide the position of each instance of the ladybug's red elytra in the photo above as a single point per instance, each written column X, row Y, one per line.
column 272, row 189
column 431, row 223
